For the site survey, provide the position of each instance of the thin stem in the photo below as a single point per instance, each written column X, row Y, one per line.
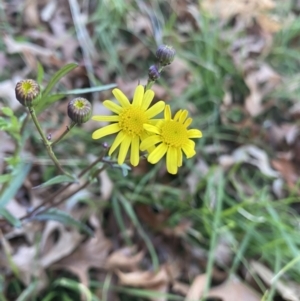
column 66, row 131
column 46, row 142
column 62, row 189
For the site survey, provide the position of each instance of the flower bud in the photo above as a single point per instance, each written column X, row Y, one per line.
column 165, row 54
column 28, row 92
column 153, row 73
column 79, row 110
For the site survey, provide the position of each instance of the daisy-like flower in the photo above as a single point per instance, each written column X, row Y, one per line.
column 128, row 122
column 172, row 137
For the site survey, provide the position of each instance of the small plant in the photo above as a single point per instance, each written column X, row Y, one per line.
column 138, row 131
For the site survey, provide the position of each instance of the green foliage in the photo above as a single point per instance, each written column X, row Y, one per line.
column 62, row 217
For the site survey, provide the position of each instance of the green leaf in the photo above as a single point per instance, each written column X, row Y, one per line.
column 48, row 101
column 55, row 180
column 62, row 217
column 57, row 76
column 10, row 218
column 91, row 90
column 7, row 111
column 5, row 178
column 18, row 176
column 40, row 73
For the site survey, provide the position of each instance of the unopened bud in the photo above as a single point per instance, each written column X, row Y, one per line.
column 153, row 73
column 28, row 92
column 165, row 54
column 79, row 110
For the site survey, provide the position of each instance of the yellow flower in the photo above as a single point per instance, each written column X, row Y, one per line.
column 128, row 122
column 172, row 137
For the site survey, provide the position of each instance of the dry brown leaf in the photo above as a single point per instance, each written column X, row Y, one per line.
column 90, row 254
column 227, row 9
column 124, row 258
column 288, row 171
column 67, row 241
column 149, row 279
column 260, row 82
column 197, row 288
column 249, row 154
column 29, row 267
column 106, row 186
column 31, row 13
column 287, row 290
column 231, row 290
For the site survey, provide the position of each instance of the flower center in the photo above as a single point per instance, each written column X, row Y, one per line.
column 131, row 121
column 174, row 133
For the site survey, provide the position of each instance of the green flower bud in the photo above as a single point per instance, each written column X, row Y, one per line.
column 28, row 92
column 79, row 110
column 165, row 55
column 153, row 73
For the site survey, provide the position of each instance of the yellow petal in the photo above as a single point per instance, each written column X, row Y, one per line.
column 135, row 151
column 107, row 130
column 172, row 160
column 155, row 109
column 151, row 128
column 158, row 153
column 177, row 115
column 120, row 137
column 148, row 97
column 138, row 95
column 194, row 133
column 124, row 149
column 112, row 106
column 188, row 150
column 183, row 116
column 168, row 115
column 150, row 141
column 188, row 122
column 121, row 97
column 179, row 157
column 143, row 137
column 106, row 118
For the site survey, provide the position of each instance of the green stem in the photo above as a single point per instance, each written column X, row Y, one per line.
column 62, row 189
column 66, row 131
column 46, row 142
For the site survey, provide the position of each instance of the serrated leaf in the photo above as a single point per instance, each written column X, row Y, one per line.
column 57, row 76
column 18, row 176
column 7, row 111
column 10, row 218
column 56, row 180
column 48, row 101
column 62, row 217
column 40, row 73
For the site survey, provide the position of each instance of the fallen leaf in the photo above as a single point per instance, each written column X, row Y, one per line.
column 124, row 258
column 90, row 254
column 249, row 154
column 149, row 279
column 287, row 290
column 288, row 171
column 230, row 290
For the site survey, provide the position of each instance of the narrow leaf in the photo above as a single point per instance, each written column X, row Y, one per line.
column 57, row 76
column 48, row 101
column 40, row 73
column 91, row 90
column 7, row 111
column 19, row 175
column 10, row 218
column 56, row 180
column 62, row 217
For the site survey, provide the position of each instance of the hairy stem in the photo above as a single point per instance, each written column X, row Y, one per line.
column 46, row 142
